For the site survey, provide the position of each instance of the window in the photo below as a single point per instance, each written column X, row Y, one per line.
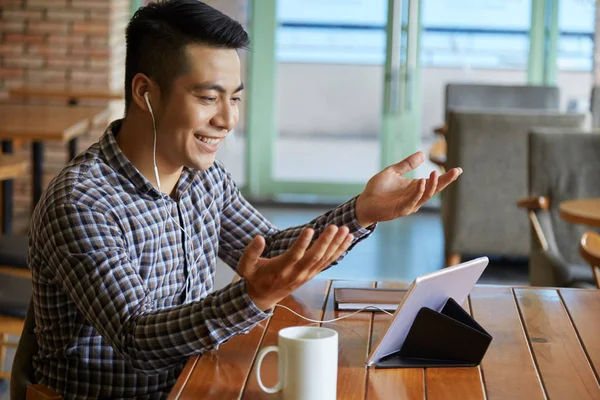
column 475, row 33
column 331, row 31
column 456, row 33
column 576, row 40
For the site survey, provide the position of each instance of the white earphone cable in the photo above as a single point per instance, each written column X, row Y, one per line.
column 336, row 319
column 168, row 209
column 203, row 216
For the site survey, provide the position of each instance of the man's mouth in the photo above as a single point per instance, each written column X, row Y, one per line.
column 208, row 140
column 209, row 144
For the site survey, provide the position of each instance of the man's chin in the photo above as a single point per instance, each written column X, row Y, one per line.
column 203, row 164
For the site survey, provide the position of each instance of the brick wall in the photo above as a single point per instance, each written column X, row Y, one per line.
column 60, row 43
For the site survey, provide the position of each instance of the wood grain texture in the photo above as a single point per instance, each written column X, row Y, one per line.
column 51, row 123
column 581, row 211
column 583, row 307
column 12, row 166
column 544, row 346
column 183, row 378
column 307, row 301
column 354, row 333
column 508, row 367
column 221, row 374
column 565, row 371
column 403, row 383
column 589, row 248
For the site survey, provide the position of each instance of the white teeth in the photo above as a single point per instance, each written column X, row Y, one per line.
column 209, row 140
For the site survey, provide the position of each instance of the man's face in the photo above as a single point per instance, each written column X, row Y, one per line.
column 202, row 108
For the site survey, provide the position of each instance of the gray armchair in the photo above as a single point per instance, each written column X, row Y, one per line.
column 478, row 210
column 562, row 166
column 465, row 96
column 484, row 96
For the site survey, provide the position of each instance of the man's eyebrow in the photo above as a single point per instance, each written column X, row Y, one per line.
column 215, row 86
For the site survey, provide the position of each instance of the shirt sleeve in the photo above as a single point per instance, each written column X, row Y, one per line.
column 241, row 222
column 86, row 250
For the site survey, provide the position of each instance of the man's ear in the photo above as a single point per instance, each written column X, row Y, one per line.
column 139, row 86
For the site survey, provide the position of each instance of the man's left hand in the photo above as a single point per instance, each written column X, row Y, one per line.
column 389, row 195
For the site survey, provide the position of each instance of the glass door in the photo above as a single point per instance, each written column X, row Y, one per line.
column 332, row 94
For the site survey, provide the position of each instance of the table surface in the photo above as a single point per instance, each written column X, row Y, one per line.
column 80, row 93
column 545, row 345
column 12, row 166
column 52, row 123
column 581, row 211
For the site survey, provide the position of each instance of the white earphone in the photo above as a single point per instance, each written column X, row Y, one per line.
column 154, row 126
column 156, row 176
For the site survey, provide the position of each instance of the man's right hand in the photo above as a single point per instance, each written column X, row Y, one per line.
column 270, row 280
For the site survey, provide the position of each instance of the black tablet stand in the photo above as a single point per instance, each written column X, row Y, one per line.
column 450, row 338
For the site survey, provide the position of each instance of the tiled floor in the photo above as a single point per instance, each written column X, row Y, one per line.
column 397, row 251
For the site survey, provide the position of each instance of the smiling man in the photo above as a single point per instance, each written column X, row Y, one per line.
column 124, row 241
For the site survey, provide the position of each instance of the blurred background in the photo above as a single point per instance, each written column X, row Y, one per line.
column 336, row 91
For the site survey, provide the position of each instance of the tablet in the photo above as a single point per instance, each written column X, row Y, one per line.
column 432, row 291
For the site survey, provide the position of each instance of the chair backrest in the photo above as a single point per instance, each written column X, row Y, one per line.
column 564, row 166
column 22, row 372
column 482, row 96
column 478, row 210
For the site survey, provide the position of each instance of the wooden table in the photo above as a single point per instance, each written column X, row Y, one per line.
column 44, row 123
column 581, row 211
column 545, row 345
column 71, row 94
column 11, row 167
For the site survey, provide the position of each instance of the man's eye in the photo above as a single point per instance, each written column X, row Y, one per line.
column 209, row 99
column 236, row 99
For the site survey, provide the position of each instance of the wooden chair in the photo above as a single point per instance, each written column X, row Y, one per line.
column 589, row 248
column 562, row 165
column 10, row 325
column 533, row 204
column 478, row 213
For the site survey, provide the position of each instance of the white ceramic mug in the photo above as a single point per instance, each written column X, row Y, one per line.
column 308, row 359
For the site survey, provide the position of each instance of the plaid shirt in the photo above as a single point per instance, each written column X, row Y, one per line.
column 122, row 297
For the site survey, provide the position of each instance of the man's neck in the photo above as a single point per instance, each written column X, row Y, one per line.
column 136, row 141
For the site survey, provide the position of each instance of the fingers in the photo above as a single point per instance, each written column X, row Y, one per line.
column 409, row 163
column 418, row 193
column 337, row 241
column 448, row 178
column 296, row 252
column 336, row 252
column 430, row 189
column 318, row 249
column 249, row 259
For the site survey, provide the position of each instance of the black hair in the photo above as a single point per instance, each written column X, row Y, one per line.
column 158, row 34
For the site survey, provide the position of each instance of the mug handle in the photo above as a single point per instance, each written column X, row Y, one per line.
column 262, row 355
